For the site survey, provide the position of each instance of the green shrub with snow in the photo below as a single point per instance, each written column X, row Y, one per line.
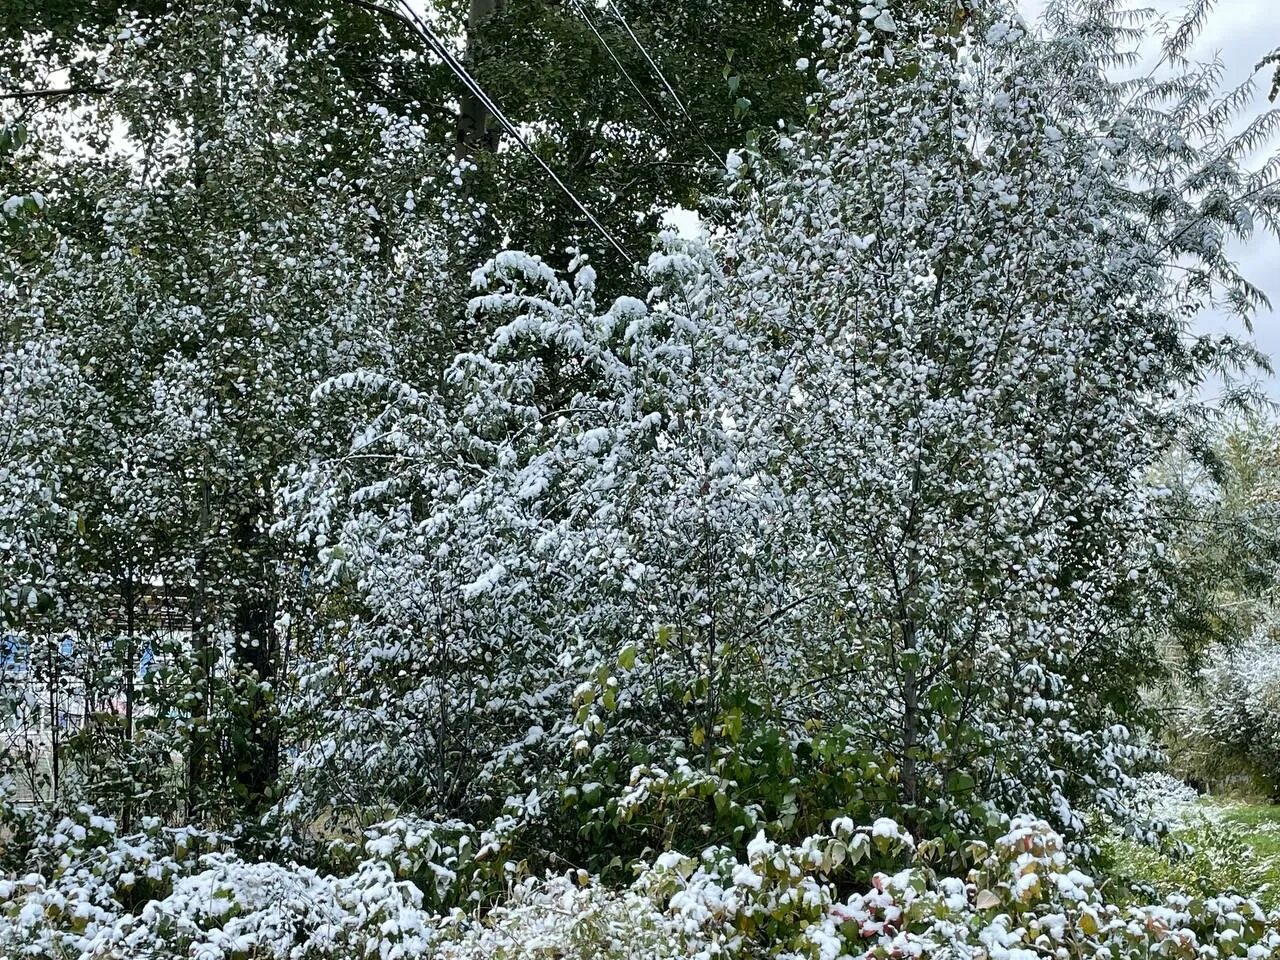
column 93, row 895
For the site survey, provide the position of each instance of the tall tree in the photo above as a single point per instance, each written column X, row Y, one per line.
column 875, row 464
column 230, row 188
column 249, row 227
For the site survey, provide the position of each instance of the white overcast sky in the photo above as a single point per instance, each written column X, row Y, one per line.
column 1242, row 32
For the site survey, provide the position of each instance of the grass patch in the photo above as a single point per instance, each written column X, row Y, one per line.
column 1258, row 823
column 1226, row 845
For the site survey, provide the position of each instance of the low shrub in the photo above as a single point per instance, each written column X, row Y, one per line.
column 94, row 895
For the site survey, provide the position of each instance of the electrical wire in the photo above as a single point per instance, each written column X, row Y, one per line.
column 719, row 160
column 439, row 49
column 670, row 88
column 652, row 64
column 618, row 63
column 473, row 85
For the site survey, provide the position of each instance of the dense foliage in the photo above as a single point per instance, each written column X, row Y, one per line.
column 650, row 511
column 1221, row 727
column 172, row 893
column 359, row 599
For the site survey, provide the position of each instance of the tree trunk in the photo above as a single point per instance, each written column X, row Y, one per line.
column 204, row 666
column 476, row 131
column 910, row 735
column 130, row 627
column 55, row 746
column 257, row 656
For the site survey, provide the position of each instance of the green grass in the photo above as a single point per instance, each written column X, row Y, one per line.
column 1259, row 825
column 1235, row 847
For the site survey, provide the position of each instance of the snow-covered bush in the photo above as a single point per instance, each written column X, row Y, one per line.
column 1021, row 897
column 1230, row 734
column 1163, row 798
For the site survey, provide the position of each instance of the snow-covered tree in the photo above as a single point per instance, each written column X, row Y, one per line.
column 1228, row 731
column 242, row 235
column 581, row 495
column 874, row 463
column 978, row 271
column 1220, row 727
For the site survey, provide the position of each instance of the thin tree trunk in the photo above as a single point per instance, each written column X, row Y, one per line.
column 199, row 640
column 476, row 132
column 130, row 626
column 55, row 761
column 910, row 734
column 205, row 127
column 257, row 653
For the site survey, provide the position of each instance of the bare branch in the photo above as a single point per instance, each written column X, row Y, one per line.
column 55, row 92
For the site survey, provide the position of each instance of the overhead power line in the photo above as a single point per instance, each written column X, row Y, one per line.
column 662, row 77
column 720, row 161
column 618, row 63
column 473, row 85
column 434, row 43
column 653, row 65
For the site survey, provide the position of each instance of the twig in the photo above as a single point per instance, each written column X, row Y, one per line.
column 54, row 92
